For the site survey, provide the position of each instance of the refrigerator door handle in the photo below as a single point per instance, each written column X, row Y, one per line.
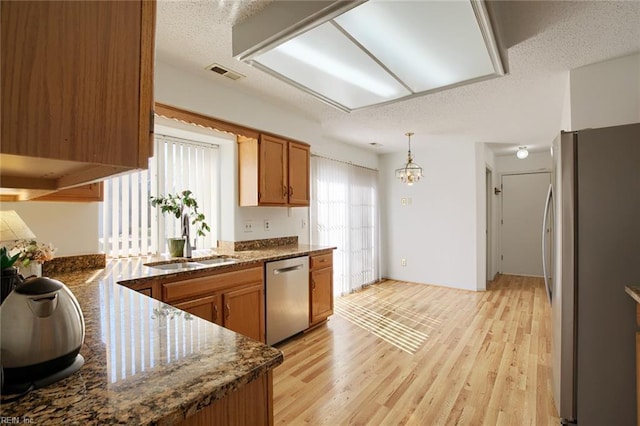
column 547, row 205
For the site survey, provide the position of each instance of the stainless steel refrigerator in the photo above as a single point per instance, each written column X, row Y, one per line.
column 591, row 250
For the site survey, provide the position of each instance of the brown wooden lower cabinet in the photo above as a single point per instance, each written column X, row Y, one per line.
column 320, row 288
column 321, row 295
column 251, row 404
column 244, row 311
column 233, row 299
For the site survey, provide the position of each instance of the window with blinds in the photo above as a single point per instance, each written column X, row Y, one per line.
column 129, row 226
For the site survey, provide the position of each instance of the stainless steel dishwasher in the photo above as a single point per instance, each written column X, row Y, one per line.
column 287, row 294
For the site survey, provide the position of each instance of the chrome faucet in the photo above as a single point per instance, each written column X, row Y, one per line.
column 186, row 236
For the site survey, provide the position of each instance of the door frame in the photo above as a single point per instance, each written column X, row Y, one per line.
column 489, row 224
column 499, row 216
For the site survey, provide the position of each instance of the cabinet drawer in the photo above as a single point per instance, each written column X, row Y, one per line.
column 321, row 261
column 199, row 286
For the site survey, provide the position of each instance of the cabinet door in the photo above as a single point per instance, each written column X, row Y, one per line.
column 244, row 311
column 298, row 174
column 77, row 85
column 207, row 308
column 321, row 294
column 272, row 180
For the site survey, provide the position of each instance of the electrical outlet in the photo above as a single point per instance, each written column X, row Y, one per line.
column 248, row 226
column 403, row 201
column 267, row 225
column 409, row 201
column 403, row 262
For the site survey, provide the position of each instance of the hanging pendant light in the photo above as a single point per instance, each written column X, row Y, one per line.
column 410, row 172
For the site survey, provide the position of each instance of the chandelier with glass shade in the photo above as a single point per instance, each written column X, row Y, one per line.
column 410, row 172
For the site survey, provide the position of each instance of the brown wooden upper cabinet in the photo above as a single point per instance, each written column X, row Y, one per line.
column 77, row 91
column 273, row 172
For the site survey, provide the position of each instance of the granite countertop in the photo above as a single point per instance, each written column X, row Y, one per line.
column 634, row 292
column 147, row 362
column 132, row 271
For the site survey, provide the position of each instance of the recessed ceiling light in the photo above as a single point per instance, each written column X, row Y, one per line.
column 522, row 153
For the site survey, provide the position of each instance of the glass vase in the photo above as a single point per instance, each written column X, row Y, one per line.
column 31, row 270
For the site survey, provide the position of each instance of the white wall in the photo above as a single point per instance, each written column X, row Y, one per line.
column 71, row 227
column 176, row 87
column 437, row 232
column 606, row 94
column 536, row 161
column 565, row 121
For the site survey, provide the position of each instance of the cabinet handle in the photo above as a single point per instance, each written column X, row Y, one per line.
column 290, row 191
column 284, row 191
column 228, row 311
column 215, row 312
column 313, row 284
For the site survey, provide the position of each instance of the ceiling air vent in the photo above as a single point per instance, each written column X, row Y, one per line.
column 219, row 69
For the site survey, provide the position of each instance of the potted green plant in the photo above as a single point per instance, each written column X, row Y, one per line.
column 184, row 207
column 9, row 277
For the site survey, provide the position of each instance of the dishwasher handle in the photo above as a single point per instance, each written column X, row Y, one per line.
column 288, row 269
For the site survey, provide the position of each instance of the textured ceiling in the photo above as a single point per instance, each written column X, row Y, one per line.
column 544, row 40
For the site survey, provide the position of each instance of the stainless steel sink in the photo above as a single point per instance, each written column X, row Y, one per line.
column 178, row 266
column 194, row 264
column 217, row 261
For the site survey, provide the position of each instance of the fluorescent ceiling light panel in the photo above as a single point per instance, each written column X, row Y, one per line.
column 426, row 44
column 377, row 52
column 326, row 62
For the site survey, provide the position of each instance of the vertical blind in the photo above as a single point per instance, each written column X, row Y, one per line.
column 187, row 165
column 131, row 227
column 126, row 215
column 344, row 213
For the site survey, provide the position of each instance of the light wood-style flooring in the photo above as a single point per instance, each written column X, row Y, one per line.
column 404, row 353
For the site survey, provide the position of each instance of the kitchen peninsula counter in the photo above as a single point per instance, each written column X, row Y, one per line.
column 147, row 362
column 634, row 292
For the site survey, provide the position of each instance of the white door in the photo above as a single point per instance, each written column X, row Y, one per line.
column 523, row 198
